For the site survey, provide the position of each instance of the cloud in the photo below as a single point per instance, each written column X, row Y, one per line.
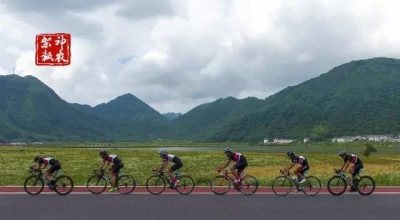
column 144, row 9
column 177, row 54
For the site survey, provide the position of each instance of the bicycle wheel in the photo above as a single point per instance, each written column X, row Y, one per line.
column 125, row 184
column 33, row 185
column 249, row 185
column 185, row 185
column 282, row 186
column 63, row 185
column 336, row 185
column 220, row 185
column 96, row 184
column 363, row 183
column 156, row 184
column 312, row 186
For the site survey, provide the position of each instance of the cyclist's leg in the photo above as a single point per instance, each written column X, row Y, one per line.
column 172, row 169
column 239, row 166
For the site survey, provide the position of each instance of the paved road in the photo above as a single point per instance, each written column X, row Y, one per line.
column 197, row 189
column 193, row 207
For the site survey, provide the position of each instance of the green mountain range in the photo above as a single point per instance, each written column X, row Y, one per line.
column 359, row 97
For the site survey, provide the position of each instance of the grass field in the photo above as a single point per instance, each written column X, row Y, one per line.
column 384, row 166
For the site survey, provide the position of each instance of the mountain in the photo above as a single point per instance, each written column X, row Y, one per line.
column 208, row 118
column 359, row 97
column 134, row 116
column 171, row 115
column 30, row 110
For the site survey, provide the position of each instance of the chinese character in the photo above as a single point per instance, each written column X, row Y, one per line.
column 45, row 42
column 62, row 41
column 60, row 56
column 47, row 56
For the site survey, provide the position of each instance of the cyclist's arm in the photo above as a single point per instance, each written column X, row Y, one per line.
column 102, row 165
column 226, row 164
column 289, row 167
column 346, row 165
column 39, row 166
column 108, row 164
column 163, row 165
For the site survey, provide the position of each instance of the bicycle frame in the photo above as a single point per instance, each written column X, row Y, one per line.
column 288, row 176
column 343, row 176
column 41, row 175
column 231, row 177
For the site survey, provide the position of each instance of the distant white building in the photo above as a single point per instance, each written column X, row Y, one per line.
column 266, row 141
column 282, row 141
column 306, row 140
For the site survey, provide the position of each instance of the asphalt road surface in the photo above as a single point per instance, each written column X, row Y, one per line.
column 193, row 207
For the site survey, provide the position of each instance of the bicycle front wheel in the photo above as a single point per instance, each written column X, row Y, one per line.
column 282, row 186
column 249, row 185
column 63, row 185
column 185, row 185
column 312, row 186
column 125, row 184
column 96, row 184
column 336, row 185
column 220, row 185
column 365, row 185
column 155, row 185
column 33, row 185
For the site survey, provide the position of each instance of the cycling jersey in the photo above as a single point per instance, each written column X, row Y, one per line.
column 300, row 160
column 353, row 159
column 236, row 157
column 172, row 158
column 112, row 158
column 47, row 161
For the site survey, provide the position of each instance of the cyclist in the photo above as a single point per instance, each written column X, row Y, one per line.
column 114, row 169
column 238, row 167
column 177, row 165
column 355, row 169
column 301, row 169
column 55, row 165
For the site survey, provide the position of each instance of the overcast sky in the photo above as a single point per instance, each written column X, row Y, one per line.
column 177, row 54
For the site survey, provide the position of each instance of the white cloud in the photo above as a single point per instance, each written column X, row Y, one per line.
column 181, row 53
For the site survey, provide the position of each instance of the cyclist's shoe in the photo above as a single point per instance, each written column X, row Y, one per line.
column 112, row 189
column 52, row 187
column 176, row 183
column 353, row 189
column 302, row 180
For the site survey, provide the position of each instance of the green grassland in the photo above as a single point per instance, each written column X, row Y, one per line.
column 264, row 162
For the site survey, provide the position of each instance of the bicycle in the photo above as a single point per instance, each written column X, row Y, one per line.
column 60, row 185
column 121, row 181
column 227, row 179
column 185, row 182
column 310, row 184
column 360, row 182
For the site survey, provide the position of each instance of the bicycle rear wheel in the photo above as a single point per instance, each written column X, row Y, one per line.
column 96, row 184
column 336, row 185
column 155, row 185
column 312, row 186
column 282, row 186
column 249, row 185
column 363, row 183
column 185, row 185
column 33, row 185
column 63, row 185
column 220, row 185
column 125, row 184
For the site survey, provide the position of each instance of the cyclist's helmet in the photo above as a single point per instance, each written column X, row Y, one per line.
column 290, row 153
column 343, row 152
column 103, row 152
column 162, row 153
column 228, row 149
column 36, row 159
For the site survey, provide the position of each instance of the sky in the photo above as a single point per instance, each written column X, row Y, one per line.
column 177, row 54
